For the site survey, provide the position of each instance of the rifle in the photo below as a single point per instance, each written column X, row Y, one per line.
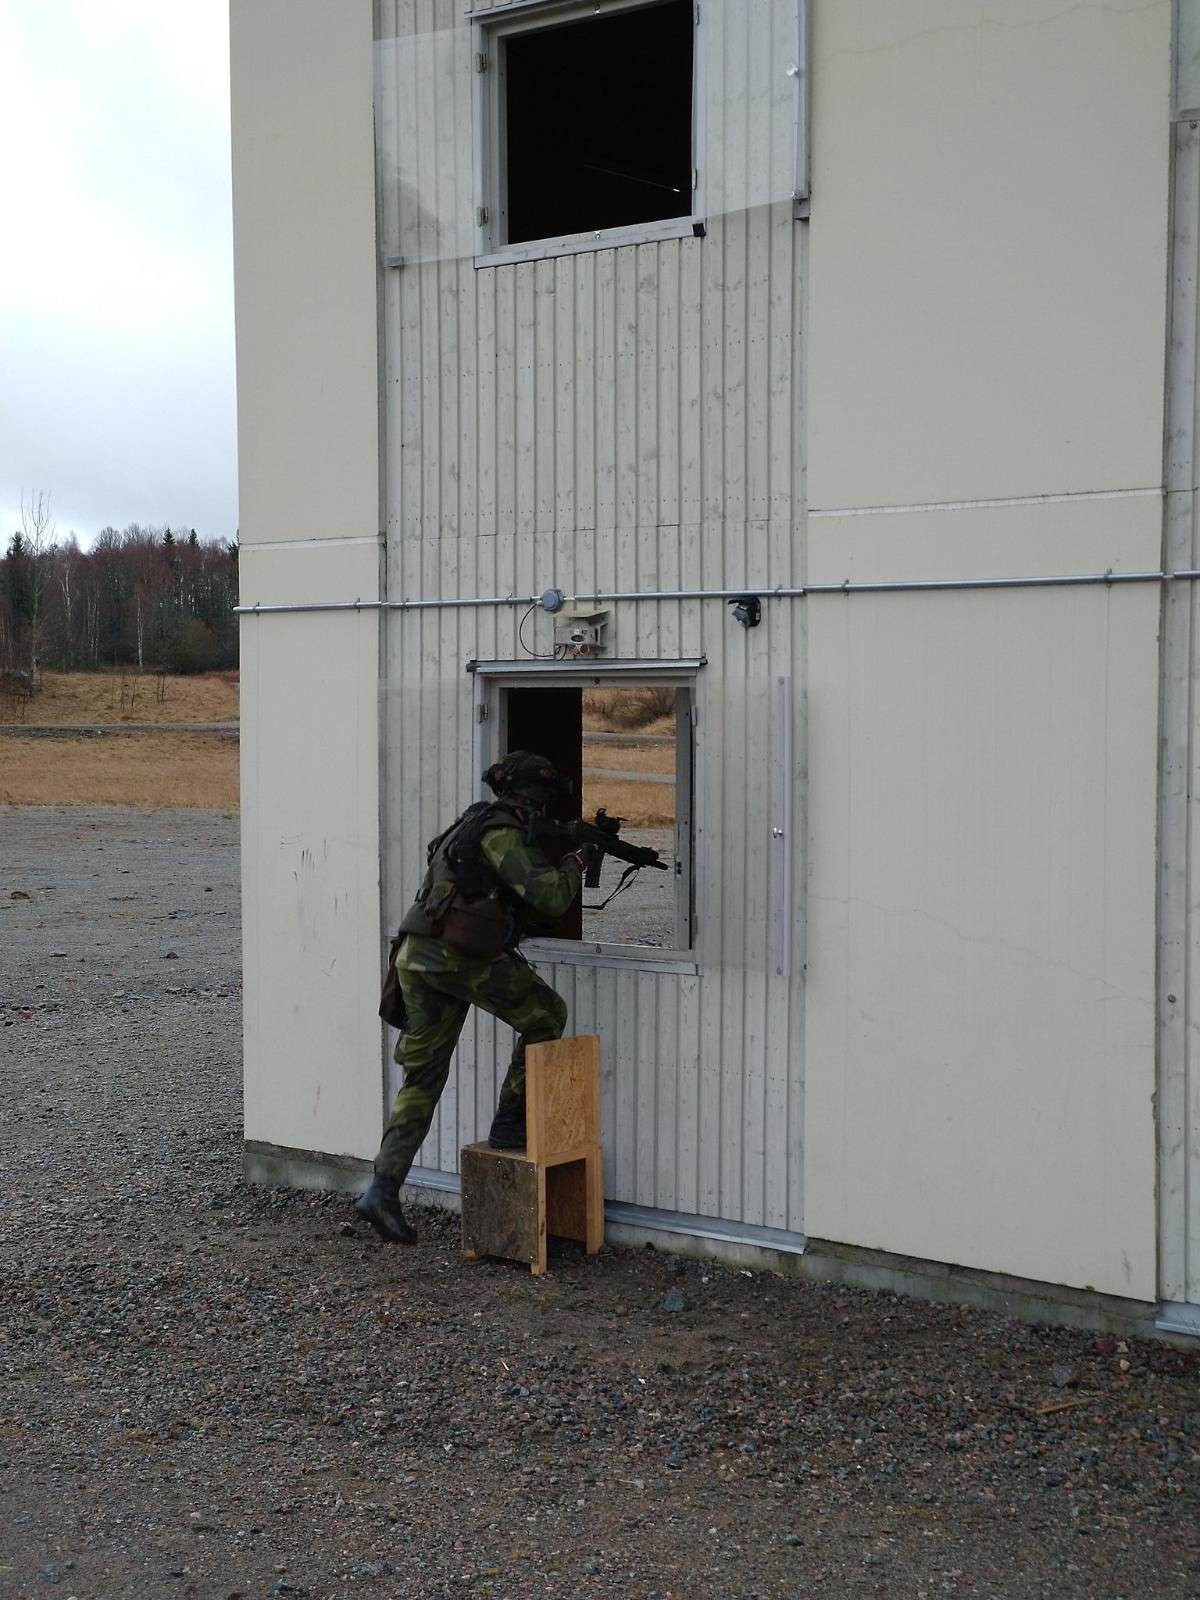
column 604, row 835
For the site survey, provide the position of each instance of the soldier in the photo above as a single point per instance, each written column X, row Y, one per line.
column 484, row 885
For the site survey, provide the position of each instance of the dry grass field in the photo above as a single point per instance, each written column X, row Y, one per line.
column 160, row 770
column 652, row 759
column 629, row 711
column 640, row 710
column 146, row 771
column 642, row 805
column 87, row 698
column 634, row 713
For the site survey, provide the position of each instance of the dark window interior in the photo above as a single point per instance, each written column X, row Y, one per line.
column 599, row 122
column 548, row 722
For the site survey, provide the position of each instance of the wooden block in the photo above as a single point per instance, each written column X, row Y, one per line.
column 500, row 1205
column 512, row 1199
column 593, row 1236
column 567, row 1200
column 562, row 1114
column 538, row 1265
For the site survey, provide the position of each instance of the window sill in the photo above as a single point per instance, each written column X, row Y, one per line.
column 584, row 953
column 574, row 244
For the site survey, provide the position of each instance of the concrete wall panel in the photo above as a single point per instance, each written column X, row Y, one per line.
column 310, row 857
column 988, row 248
column 981, row 943
column 1179, row 903
column 305, row 284
column 304, row 268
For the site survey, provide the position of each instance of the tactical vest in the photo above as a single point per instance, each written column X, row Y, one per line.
column 457, row 868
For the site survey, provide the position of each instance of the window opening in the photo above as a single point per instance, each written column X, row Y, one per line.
column 628, row 750
column 548, row 722
column 597, row 122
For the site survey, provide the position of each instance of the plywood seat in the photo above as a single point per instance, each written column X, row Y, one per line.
column 512, row 1200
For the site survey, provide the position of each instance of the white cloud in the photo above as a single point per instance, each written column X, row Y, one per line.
column 116, row 319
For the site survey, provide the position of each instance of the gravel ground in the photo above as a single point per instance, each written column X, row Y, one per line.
column 217, row 1391
column 644, row 910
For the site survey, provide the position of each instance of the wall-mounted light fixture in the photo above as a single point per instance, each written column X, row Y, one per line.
column 747, row 609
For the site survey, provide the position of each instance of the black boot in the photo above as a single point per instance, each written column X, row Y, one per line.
column 379, row 1204
column 508, row 1128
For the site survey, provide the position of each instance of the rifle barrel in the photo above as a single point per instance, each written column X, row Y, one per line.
column 612, row 844
column 607, row 840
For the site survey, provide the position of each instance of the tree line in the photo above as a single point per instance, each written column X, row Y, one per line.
column 154, row 598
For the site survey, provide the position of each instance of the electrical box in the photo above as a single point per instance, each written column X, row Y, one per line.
column 580, row 633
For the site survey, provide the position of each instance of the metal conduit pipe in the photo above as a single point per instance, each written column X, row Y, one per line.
column 257, row 609
column 779, row 592
column 889, row 586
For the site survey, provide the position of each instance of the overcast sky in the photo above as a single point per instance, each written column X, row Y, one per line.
column 116, row 278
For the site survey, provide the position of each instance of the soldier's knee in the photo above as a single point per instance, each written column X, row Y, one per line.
column 548, row 1024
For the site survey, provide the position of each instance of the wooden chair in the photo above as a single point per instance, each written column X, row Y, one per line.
column 513, row 1199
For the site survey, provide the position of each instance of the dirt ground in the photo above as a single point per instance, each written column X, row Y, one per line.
column 214, row 1391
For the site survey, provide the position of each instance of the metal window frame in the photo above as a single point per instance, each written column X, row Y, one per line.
column 491, row 28
column 491, row 681
column 801, row 73
column 1185, row 32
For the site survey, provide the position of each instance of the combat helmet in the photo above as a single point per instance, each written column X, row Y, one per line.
column 530, row 776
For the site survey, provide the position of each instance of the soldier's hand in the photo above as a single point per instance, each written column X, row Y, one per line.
column 583, row 854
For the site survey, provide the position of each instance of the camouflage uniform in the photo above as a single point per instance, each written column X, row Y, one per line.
column 440, row 985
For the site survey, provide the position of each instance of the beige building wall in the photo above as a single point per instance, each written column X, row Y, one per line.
column 980, row 295
column 305, row 284
column 986, row 329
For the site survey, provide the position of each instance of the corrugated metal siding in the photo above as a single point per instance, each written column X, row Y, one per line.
column 1179, row 910
column 625, row 419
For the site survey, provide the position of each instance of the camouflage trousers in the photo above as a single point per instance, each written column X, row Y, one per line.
column 437, row 1004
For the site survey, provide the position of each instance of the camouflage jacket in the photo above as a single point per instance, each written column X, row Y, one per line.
column 528, row 881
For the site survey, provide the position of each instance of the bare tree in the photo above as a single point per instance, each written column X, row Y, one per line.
column 68, row 563
column 39, row 537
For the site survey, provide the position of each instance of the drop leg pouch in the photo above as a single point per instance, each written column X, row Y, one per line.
column 391, row 1001
column 476, row 927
